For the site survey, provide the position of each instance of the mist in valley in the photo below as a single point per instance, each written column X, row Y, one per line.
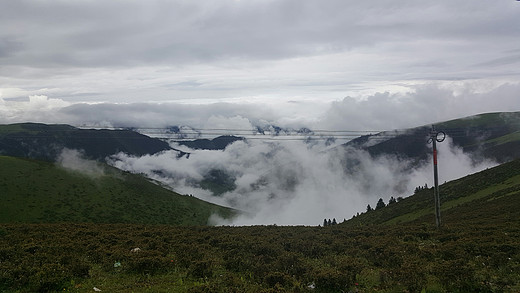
column 75, row 160
column 295, row 183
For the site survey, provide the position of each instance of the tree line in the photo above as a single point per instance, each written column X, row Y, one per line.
column 379, row 205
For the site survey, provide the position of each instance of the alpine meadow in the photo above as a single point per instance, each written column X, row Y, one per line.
column 253, row 146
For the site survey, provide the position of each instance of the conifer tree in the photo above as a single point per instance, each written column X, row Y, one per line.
column 380, row 204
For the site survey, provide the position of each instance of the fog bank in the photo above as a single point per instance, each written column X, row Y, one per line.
column 292, row 183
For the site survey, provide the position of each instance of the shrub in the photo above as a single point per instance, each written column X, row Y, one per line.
column 49, row 277
column 201, row 269
column 146, row 262
column 369, row 278
column 274, row 278
column 330, row 280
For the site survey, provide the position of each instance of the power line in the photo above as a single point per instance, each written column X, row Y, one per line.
column 274, row 134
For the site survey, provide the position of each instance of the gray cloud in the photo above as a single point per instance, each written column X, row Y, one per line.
column 502, row 61
column 8, row 46
column 133, row 51
column 100, row 33
column 160, row 115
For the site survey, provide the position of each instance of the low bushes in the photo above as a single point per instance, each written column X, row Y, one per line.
column 463, row 258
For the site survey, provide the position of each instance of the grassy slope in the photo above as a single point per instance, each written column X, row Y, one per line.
column 506, row 123
column 492, row 135
column 36, row 191
column 485, row 120
column 472, row 194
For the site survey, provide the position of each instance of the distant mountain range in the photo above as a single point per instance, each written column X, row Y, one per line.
column 181, row 132
column 219, row 139
column 494, row 136
column 491, row 136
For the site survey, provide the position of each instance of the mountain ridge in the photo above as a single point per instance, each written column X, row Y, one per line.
column 46, row 141
column 217, row 143
column 489, row 135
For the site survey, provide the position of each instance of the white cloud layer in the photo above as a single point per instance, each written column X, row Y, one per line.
column 291, row 183
column 75, row 160
column 420, row 105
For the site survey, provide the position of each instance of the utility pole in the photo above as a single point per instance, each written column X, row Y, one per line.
column 435, row 137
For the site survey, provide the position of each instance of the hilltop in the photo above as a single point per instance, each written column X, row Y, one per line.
column 45, row 142
column 218, row 143
column 42, row 192
column 493, row 136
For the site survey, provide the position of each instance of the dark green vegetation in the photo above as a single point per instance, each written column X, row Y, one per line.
column 391, row 249
column 468, row 257
column 45, row 142
column 218, row 143
column 492, row 135
column 37, row 191
column 218, row 182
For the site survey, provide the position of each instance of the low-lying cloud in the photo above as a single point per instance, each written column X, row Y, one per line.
column 72, row 159
column 422, row 104
column 292, row 183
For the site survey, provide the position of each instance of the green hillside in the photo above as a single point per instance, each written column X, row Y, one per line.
column 41, row 192
column 485, row 195
column 393, row 249
column 496, row 134
column 492, row 135
column 45, row 142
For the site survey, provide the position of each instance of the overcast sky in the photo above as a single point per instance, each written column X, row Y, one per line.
column 332, row 64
